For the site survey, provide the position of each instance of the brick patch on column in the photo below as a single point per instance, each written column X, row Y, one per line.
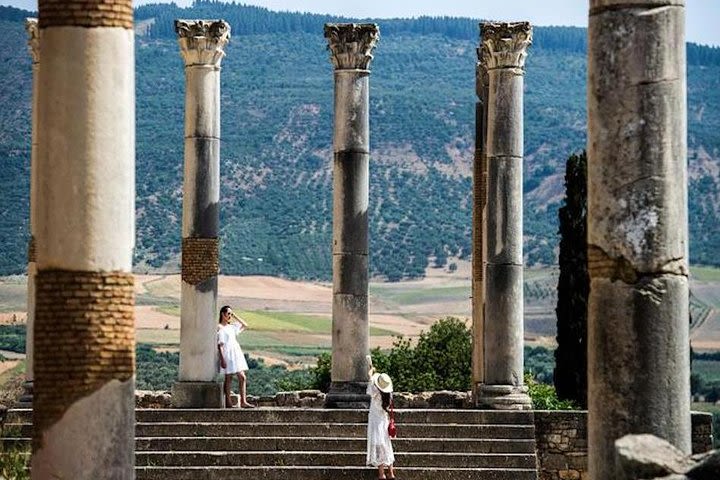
column 84, row 338
column 200, row 259
column 32, row 250
column 479, row 194
column 86, row 13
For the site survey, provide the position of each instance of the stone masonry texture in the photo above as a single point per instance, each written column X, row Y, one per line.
column 32, row 250
column 562, row 444
column 200, row 259
column 86, row 13
column 84, row 338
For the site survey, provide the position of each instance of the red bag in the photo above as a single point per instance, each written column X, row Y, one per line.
column 392, row 429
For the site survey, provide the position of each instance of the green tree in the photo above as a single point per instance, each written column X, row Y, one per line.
column 573, row 286
column 440, row 360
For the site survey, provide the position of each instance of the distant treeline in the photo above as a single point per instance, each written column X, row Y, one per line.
column 250, row 20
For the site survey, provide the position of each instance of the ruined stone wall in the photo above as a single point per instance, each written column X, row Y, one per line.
column 562, row 444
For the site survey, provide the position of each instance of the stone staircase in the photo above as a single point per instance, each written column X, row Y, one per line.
column 319, row 444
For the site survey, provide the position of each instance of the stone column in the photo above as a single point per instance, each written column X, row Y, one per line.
column 84, row 345
column 479, row 225
column 638, row 358
column 504, row 48
column 351, row 47
column 201, row 45
column 31, row 26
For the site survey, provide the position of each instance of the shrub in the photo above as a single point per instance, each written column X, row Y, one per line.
column 544, row 397
column 439, row 361
column 15, row 463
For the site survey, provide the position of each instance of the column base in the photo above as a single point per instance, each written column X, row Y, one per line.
column 502, row 397
column 197, row 395
column 348, row 395
column 26, row 399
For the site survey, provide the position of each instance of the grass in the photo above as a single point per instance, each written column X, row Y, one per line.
column 417, row 295
column 709, row 370
column 264, row 321
column 11, row 382
column 705, row 274
column 13, row 296
column 8, row 375
column 173, row 310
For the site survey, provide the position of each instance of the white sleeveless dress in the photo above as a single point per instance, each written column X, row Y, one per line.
column 379, row 447
column 234, row 358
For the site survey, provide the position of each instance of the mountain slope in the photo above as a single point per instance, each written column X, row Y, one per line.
column 276, row 199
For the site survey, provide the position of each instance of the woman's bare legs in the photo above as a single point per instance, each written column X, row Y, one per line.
column 381, row 471
column 226, row 386
column 242, row 378
column 392, row 471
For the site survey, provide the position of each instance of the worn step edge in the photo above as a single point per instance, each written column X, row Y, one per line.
column 323, row 473
column 246, row 444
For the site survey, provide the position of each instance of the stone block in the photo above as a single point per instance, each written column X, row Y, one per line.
column 504, row 211
column 351, row 177
column 637, row 193
column 351, row 130
column 350, row 273
column 647, row 456
column 197, row 395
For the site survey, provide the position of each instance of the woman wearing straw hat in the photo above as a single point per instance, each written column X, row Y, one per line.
column 379, row 447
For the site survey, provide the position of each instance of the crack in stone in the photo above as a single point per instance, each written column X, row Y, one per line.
column 602, row 265
column 625, row 186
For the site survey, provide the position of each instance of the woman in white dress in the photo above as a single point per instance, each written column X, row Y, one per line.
column 232, row 360
column 379, row 447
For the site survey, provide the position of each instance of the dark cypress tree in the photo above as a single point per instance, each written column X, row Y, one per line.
column 573, row 286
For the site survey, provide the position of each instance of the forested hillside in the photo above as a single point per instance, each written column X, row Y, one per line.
column 277, row 94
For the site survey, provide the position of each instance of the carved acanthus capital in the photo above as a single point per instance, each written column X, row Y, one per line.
column 31, row 26
column 504, row 45
column 351, row 44
column 202, row 42
column 482, row 80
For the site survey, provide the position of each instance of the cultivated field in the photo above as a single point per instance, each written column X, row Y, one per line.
column 291, row 321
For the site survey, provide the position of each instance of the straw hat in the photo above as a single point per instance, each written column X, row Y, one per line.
column 383, row 382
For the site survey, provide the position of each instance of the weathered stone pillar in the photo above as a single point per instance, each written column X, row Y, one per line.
column 479, row 225
column 504, row 48
column 638, row 359
column 351, row 47
column 201, row 44
column 31, row 26
column 84, row 345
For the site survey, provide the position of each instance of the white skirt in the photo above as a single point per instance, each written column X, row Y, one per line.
column 234, row 361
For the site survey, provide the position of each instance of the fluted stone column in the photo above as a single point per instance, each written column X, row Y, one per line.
column 504, row 48
column 201, row 45
column 31, row 26
column 638, row 361
column 479, row 227
column 351, row 47
column 84, row 345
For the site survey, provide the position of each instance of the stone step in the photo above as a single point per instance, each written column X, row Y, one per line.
column 330, row 459
column 293, row 430
column 327, row 444
column 324, row 444
column 290, row 415
column 327, row 473
column 352, row 430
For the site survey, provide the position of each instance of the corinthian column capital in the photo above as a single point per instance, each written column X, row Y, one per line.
column 31, row 26
column 202, row 41
column 504, row 45
column 481, row 74
column 351, row 44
